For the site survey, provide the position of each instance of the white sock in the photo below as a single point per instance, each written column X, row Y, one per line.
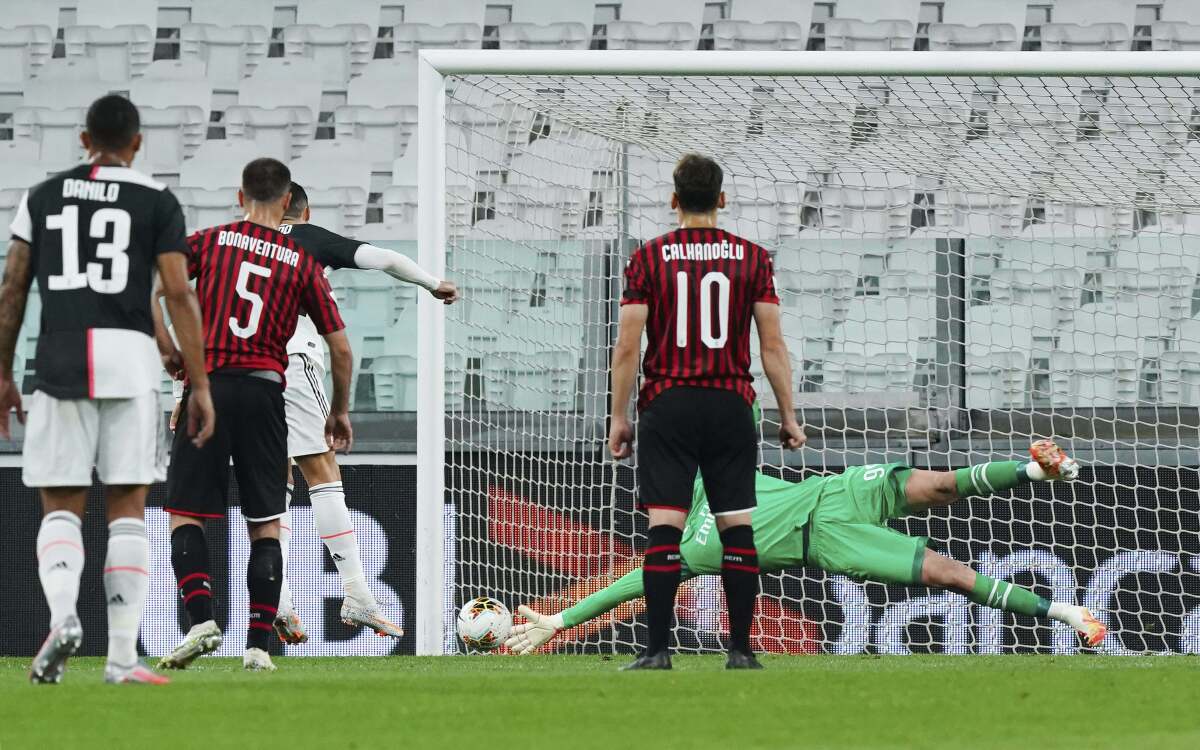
column 60, row 562
column 1068, row 613
column 285, row 538
column 1034, row 471
column 333, row 524
column 126, row 582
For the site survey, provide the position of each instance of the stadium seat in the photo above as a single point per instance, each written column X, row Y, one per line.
column 538, row 381
column 384, row 130
column 1075, row 37
column 118, row 53
column 1050, row 294
column 1175, row 35
column 23, row 50
column 385, row 83
column 339, row 209
column 875, row 326
column 986, row 36
column 395, row 379
column 400, row 205
column 852, row 34
column 283, row 82
column 230, row 13
column 281, row 133
column 175, row 113
column 1180, row 377
column 868, row 202
column 277, row 107
column 65, row 83
column 672, row 35
column 333, row 12
column 229, row 53
column 1169, row 288
column 997, row 380
column 388, row 231
column 854, row 372
column 217, row 165
column 209, row 207
column 1128, row 326
column 55, row 132
column 112, row 13
column 1187, row 335
column 410, row 37
column 20, row 171
column 549, row 36
column 18, row 13
column 1093, row 380
column 329, row 164
column 743, row 35
column 340, row 51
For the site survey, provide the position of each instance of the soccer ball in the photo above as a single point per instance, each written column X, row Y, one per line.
column 483, row 623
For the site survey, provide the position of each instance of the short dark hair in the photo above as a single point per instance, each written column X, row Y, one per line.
column 266, row 179
column 112, row 122
column 697, row 183
column 299, row 202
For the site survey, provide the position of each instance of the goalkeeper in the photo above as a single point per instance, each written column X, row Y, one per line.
column 839, row 524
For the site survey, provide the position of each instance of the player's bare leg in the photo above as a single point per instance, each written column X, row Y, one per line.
column 60, row 563
column 333, row 523
column 189, row 558
column 126, row 584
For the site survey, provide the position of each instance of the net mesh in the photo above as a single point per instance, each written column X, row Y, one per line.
column 964, row 266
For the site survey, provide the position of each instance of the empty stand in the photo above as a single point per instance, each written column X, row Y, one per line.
column 229, row 53
column 117, row 53
column 985, row 36
column 23, row 50
column 548, row 36
column 174, row 107
column 744, row 35
column 339, row 51
column 851, row 34
column 671, row 35
column 1074, row 37
column 410, row 37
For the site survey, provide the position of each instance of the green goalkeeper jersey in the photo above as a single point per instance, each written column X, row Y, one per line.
column 783, row 509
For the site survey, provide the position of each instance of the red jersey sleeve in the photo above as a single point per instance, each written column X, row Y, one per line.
column 316, row 299
column 637, row 280
column 764, row 282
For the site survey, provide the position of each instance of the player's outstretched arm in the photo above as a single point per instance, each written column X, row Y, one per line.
column 932, row 489
column 14, row 293
column 538, row 628
column 399, row 266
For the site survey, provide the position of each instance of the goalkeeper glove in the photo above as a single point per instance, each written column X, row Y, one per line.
column 527, row 637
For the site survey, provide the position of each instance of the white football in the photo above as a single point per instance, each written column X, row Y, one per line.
column 483, row 623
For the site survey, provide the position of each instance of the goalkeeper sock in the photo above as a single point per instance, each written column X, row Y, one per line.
column 189, row 558
column 263, row 575
column 739, row 575
column 1007, row 597
column 990, row 478
column 660, row 576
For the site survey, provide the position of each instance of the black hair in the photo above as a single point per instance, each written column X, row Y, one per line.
column 266, row 179
column 299, row 202
column 112, row 122
column 697, row 183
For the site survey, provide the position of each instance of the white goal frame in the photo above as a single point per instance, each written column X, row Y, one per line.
column 435, row 65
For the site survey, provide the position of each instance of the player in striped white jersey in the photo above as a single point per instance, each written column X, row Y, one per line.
column 307, row 407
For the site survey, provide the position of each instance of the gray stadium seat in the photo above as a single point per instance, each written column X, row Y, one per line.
column 332, row 12
column 675, row 35
column 1181, row 377
column 328, row 164
column 54, row 133
column 118, row 53
column 217, row 165
column 340, row 51
column 852, row 34
column 175, row 113
column 400, row 204
column 229, row 53
column 548, row 36
column 999, row 345
column 1175, row 35
column 277, row 107
column 987, row 36
column 744, row 35
column 395, row 379
column 1093, row 380
column 23, row 50
column 232, row 13
column 388, row 231
column 1075, row 37
column 339, row 209
column 112, row 13
column 18, row 13
column 854, row 372
column 410, row 37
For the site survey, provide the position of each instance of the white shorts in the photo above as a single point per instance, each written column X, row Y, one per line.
column 124, row 438
column 305, row 406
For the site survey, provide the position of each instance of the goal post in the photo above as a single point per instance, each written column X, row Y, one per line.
column 973, row 249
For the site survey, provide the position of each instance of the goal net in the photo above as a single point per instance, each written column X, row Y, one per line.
column 965, row 264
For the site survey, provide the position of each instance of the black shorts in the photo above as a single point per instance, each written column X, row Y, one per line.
column 685, row 430
column 252, row 430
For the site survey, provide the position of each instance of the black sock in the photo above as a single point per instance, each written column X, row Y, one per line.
column 189, row 558
column 739, row 574
column 264, row 577
column 660, row 576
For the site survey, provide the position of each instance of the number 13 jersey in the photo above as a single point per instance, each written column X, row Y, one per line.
column 700, row 286
column 95, row 233
column 253, row 283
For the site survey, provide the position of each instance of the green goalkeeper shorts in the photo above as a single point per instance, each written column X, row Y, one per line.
column 848, row 532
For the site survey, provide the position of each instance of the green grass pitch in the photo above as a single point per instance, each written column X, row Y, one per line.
column 569, row 702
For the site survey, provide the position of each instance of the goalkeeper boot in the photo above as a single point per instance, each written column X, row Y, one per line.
column 742, row 660
column 257, row 660
column 51, row 660
column 137, row 674
column 1093, row 631
column 289, row 628
column 1052, row 459
column 201, row 639
column 358, row 615
column 661, row 660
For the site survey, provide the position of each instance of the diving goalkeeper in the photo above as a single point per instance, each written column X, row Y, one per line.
column 839, row 523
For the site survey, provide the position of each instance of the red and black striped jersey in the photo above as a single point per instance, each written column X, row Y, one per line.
column 701, row 286
column 253, row 283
